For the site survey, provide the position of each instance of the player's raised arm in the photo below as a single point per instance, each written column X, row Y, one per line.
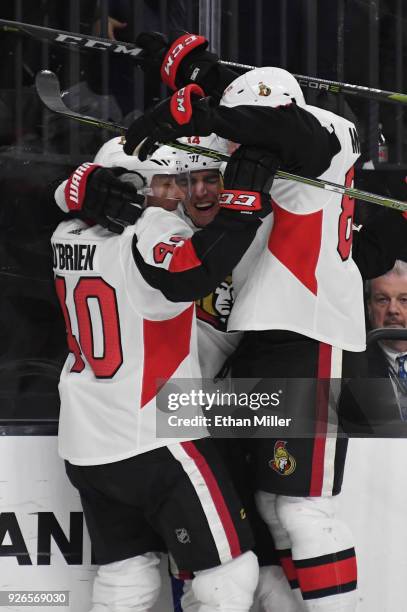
column 182, row 59
column 251, row 113
column 193, row 267
column 181, row 266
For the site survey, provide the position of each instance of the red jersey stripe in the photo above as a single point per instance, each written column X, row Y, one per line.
column 216, row 495
column 322, row 399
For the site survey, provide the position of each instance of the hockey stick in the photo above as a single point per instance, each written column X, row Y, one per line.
column 78, row 42
column 70, row 39
column 49, row 91
column 336, row 87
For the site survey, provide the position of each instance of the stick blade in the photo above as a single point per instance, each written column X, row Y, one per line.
column 49, row 92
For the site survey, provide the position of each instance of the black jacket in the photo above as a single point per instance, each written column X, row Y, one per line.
column 368, row 404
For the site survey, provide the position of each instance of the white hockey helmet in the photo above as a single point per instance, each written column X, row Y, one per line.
column 267, row 86
column 149, row 176
column 193, row 162
column 164, row 161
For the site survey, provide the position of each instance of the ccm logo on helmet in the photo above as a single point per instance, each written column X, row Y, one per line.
column 245, row 201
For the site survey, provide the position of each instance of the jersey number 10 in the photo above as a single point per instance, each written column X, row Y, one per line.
column 106, row 365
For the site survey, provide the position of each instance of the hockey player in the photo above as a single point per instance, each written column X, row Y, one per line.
column 190, row 185
column 367, row 242
column 300, row 305
column 196, row 180
column 142, row 494
column 215, row 346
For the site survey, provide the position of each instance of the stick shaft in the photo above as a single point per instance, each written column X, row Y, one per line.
column 336, row 87
column 49, row 91
column 71, row 39
column 80, row 42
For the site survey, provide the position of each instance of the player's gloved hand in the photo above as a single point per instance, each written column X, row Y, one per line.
column 96, row 193
column 155, row 46
column 182, row 59
column 186, row 113
column 248, row 178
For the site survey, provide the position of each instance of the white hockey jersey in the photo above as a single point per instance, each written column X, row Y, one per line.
column 123, row 336
column 299, row 274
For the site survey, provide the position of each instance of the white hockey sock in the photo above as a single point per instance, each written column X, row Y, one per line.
column 266, row 505
column 274, row 592
column 323, row 553
column 132, row 585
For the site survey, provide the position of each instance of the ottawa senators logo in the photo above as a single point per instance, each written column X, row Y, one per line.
column 264, row 90
column 215, row 308
column 283, row 463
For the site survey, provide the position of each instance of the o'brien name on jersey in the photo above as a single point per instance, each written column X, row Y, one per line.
column 73, row 257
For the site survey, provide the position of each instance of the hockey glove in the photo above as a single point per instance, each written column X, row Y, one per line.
column 177, row 116
column 184, row 59
column 97, row 194
column 248, row 178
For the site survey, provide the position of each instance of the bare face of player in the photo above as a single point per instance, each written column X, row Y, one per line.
column 387, row 306
column 200, row 195
column 165, row 192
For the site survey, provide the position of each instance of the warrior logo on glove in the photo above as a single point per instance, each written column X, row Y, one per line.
column 76, row 186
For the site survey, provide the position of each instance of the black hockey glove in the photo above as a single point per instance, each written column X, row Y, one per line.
column 248, row 178
column 97, row 194
column 184, row 59
column 186, row 113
